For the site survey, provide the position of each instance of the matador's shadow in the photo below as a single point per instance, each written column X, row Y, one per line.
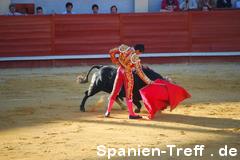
column 219, row 123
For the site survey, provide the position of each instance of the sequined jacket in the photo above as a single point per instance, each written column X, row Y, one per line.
column 128, row 58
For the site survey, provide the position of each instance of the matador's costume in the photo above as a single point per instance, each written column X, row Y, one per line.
column 127, row 60
column 156, row 95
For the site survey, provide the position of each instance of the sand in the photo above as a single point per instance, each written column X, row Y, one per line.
column 40, row 118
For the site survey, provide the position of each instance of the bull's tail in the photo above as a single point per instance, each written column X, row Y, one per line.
column 83, row 79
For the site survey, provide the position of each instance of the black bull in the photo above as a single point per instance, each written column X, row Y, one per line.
column 103, row 80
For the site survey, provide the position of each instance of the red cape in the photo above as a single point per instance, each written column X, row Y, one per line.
column 158, row 95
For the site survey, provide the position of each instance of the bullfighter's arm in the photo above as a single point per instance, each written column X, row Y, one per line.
column 135, row 60
column 113, row 57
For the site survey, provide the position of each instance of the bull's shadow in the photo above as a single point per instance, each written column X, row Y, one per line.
column 103, row 80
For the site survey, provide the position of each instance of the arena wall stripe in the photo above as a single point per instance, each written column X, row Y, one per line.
column 104, row 56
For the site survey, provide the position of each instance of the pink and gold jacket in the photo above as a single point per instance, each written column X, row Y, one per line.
column 127, row 59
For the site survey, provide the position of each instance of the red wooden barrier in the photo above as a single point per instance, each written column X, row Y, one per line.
column 159, row 32
column 25, row 35
column 215, row 31
column 92, row 34
column 76, row 34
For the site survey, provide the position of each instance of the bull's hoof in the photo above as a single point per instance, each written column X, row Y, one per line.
column 137, row 110
column 82, row 109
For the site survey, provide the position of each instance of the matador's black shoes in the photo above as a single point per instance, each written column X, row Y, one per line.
column 135, row 117
column 107, row 114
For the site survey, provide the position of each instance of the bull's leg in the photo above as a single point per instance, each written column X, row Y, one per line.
column 139, row 106
column 82, row 105
column 119, row 102
column 87, row 95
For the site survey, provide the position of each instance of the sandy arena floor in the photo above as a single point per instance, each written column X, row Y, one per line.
column 40, row 118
